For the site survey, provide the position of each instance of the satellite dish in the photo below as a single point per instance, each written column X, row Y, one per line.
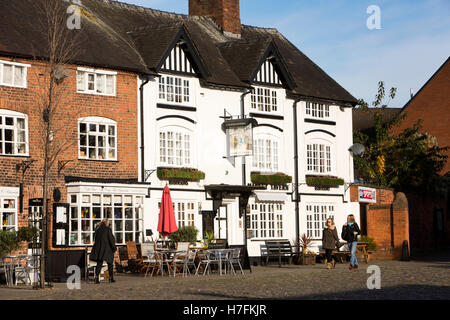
column 60, row 74
column 357, row 149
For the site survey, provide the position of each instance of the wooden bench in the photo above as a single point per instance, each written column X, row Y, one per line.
column 278, row 249
column 338, row 254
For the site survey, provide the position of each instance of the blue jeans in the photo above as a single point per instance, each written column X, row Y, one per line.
column 352, row 249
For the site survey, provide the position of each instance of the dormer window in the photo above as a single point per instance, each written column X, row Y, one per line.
column 317, row 110
column 174, row 89
column 92, row 81
column 264, row 100
column 13, row 74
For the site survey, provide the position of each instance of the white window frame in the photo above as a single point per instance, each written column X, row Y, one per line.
column 264, row 159
column 175, row 86
column 15, row 115
column 98, row 121
column 316, row 217
column 185, row 153
column 265, row 100
column 14, row 65
column 95, row 73
column 317, row 110
column 10, row 211
column 107, row 209
column 267, row 220
column 314, row 150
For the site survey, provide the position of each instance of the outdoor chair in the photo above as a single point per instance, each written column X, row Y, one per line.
column 135, row 261
column 157, row 264
column 4, row 268
column 235, row 258
column 21, row 270
column 148, row 250
column 210, row 259
column 183, row 246
column 180, row 260
column 189, row 261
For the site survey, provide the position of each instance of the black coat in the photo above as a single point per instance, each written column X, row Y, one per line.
column 104, row 246
column 330, row 238
column 348, row 232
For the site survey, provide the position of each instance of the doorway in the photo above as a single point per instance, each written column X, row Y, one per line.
column 363, row 218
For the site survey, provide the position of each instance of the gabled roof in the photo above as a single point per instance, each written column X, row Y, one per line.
column 167, row 38
column 247, row 57
column 363, row 119
column 124, row 36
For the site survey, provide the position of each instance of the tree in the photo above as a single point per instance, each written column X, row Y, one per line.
column 410, row 160
column 57, row 46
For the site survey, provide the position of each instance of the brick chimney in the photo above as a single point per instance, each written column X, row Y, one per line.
column 224, row 12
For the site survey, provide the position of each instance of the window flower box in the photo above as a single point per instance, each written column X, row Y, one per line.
column 324, row 181
column 185, row 174
column 277, row 178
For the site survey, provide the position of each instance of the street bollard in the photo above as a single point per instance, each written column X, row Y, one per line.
column 405, row 251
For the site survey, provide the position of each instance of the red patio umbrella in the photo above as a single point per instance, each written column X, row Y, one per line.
column 167, row 223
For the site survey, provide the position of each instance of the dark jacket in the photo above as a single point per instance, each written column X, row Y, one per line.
column 330, row 238
column 348, row 232
column 104, row 246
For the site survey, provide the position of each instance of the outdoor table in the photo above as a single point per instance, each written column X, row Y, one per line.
column 166, row 254
column 362, row 247
column 220, row 253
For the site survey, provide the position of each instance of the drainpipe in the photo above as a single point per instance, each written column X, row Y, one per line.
column 244, row 170
column 297, row 211
column 145, row 79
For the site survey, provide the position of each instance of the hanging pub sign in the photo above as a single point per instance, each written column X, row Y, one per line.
column 239, row 137
column 368, row 195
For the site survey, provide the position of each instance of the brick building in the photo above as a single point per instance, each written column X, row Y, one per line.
column 97, row 123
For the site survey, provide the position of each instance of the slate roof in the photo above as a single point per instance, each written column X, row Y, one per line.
column 130, row 37
column 363, row 119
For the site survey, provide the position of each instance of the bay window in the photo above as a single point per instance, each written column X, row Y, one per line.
column 316, row 218
column 13, row 133
column 96, row 82
column 13, row 74
column 124, row 211
column 266, row 220
column 266, row 154
column 97, row 138
column 174, row 89
column 175, row 147
column 319, row 158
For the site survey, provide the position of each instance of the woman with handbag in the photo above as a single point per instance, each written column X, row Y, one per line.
column 330, row 241
column 350, row 232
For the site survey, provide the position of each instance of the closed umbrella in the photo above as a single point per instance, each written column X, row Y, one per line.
column 167, row 223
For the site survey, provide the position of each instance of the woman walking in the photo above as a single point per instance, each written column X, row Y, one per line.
column 103, row 250
column 330, row 242
column 350, row 232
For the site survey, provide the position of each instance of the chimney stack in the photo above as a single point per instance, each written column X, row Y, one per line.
column 224, row 12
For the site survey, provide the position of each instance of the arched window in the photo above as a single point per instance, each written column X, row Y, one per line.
column 319, row 157
column 175, row 147
column 13, row 133
column 97, row 138
column 266, row 153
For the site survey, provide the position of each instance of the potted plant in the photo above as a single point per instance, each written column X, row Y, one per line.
column 324, row 181
column 185, row 234
column 209, row 238
column 276, row 178
column 306, row 256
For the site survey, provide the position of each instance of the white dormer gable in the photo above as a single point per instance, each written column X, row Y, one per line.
column 267, row 74
column 178, row 61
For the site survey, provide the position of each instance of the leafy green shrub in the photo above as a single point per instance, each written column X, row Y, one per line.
column 9, row 242
column 27, row 234
column 371, row 244
column 278, row 178
column 185, row 234
column 180, row 174
column 318, row 181
column 209, row 238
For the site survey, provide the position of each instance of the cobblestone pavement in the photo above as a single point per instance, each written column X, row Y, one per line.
column 426, row 278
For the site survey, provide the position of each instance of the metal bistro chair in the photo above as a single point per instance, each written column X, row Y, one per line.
column 21, row 270
column 211, row 258
column 189, row 261
column 5, row 268
column 235, row 258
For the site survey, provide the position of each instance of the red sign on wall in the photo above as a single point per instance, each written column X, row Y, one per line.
column 367, row 195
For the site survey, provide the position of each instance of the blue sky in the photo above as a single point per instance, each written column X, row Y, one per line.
column 413, row 42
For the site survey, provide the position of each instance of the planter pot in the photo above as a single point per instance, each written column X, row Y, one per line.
column 308, row 259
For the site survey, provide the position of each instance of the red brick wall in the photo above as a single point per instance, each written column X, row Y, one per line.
column 432, row 105
column 226, row 13
column 387, row 221
column 121, row 108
